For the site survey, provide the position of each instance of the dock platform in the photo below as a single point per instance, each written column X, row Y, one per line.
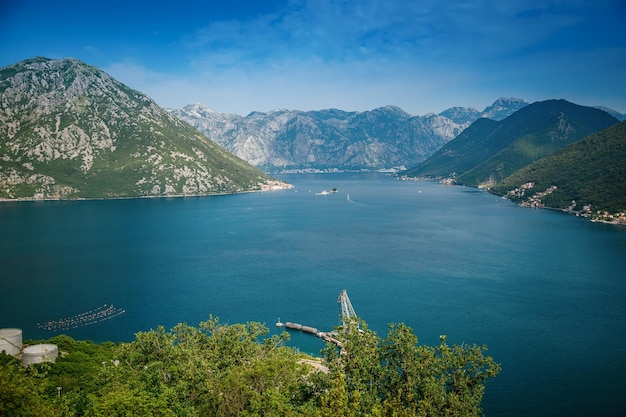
column 326, row 336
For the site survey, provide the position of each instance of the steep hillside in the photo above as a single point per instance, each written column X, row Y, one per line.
column 461, row 154
column 587, row 176
column 489, row 151
column 69, row 130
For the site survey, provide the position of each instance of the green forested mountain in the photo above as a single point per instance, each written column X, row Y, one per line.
column 69, row 130
column 589, row 175
column 488, row 151
column 237, row 370
column 462, row 153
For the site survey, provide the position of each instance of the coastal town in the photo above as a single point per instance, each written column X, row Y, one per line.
column 535, row 201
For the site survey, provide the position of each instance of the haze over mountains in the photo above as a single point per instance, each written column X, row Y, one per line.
column 382, row 138
column 69, row 130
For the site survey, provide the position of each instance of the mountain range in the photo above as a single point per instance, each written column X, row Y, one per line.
column 489, row 151
column 385, row 137
column 69, row 130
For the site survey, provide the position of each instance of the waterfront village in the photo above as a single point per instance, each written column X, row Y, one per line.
column 535, row 201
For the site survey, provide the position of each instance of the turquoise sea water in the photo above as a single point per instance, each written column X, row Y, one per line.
column 545, row 291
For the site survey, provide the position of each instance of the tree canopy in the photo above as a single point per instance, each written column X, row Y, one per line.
column 238, row 370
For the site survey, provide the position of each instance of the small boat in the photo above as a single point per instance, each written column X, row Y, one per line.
column 279, row 323
column 323, row 193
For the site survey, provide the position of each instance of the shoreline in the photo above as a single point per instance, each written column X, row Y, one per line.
column 274, row 185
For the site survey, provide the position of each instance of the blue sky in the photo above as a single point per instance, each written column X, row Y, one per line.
column 421, row 55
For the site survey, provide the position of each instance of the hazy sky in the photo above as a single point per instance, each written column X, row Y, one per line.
column 421, row 55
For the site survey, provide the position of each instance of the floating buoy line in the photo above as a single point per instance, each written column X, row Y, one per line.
column 97, row 315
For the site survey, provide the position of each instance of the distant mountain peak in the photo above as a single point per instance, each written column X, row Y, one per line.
column 461, row 115
column 198, row 109
column 503, row 100
column 503, row 108
column 198, row 106
column 395, row 109
column 499, row 110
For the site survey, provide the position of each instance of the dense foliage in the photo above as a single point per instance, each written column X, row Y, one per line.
column 237, row 370
column 591, row 172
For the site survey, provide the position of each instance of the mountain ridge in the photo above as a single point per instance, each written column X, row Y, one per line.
column 70, row 130
column 488, row 151
column 380, row 138
column 587, row 177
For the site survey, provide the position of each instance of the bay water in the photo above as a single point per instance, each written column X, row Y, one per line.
column 546, row 292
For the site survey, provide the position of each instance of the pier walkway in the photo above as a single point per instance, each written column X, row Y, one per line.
column 326, row 336
column 347, row 313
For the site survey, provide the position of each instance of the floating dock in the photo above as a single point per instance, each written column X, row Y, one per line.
column 326, row 336
column 347, row 314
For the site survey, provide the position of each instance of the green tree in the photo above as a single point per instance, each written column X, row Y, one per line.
column 22, row 390
column 398, row 377
column 215, row 369
column 359, row 361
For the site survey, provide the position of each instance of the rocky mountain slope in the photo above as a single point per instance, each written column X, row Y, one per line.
column 503, row 108
column 587, row 177
column 385, row 137
column 489, row 150
column 500, row 109
column 69, row 130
